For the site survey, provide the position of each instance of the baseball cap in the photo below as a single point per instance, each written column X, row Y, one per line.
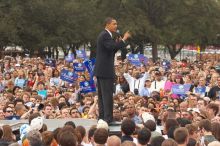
column 102, row 124
column 36, row 123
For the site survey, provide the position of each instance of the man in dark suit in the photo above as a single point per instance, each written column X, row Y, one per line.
column 104, row 67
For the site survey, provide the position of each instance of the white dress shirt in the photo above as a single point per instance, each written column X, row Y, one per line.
column 157, row 85
column 136, row 83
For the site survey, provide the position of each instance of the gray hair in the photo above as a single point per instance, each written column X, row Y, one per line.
column 34, row 137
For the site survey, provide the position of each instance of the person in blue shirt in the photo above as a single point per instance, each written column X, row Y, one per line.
column 40, row 85
column 55, row 80
column 130, row 109
column 20, row 80
column 201, row 90
column 146, row 91
column 41, row 90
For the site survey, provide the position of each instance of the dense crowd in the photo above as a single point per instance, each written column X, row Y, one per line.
column 145, row 99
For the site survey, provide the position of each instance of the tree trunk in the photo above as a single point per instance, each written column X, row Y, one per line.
column 57, row 53
column 92, row 51
column 65, row 51
column 52, row 54
column 41, row 53
column 49, row 52
column 154, row 51
column 132, row 48
column 31, row 52
column 171, row 50
column 73, row 50
column 202, row 47
column 174, row 50
column 141, row 48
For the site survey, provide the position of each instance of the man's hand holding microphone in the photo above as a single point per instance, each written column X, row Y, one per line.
column 125, row 37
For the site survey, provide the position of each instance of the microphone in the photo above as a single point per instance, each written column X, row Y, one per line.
column 118, row 34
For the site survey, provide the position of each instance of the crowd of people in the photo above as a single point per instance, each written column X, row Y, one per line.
column 144, row 101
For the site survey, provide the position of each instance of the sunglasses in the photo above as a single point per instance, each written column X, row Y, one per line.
column 9, row 111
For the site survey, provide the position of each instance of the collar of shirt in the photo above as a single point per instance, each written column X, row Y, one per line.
column 109, row 32
column 137, row 119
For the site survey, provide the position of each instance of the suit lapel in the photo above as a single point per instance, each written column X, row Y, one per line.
column 108, row 33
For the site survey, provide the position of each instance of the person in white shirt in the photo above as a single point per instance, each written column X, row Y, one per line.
column 158, row 83
column 136, row 84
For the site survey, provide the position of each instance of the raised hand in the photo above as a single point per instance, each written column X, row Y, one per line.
column 126, row 35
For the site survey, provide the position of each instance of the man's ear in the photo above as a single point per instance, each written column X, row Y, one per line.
column 187, row 139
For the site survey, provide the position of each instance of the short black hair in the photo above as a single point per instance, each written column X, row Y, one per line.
column 128, row 127
column 150, row 124
column 108, row 20
column 157, row 141
column 144, row 136
column 70, row 123
column 15, row 87
column 183, row 121
column 170, row 132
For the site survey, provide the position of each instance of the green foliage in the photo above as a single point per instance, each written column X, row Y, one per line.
column 36, row 24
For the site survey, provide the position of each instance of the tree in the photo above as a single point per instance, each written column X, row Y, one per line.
column 8, row 29
column 69, row 24
column 189, row 22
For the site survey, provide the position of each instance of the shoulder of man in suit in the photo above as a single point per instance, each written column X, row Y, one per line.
column 106, row 34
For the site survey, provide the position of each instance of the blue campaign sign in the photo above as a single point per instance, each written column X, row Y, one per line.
column 81, row 54
column 69, row 58
column 68, row 76
column 145, row 60
column 200, row 90
column 87, row 86
column 79, row 67
column 134, row 59
column 137, row 59
column 90, row 65
column 180, row 89
column 50, row 62
column 166, row 64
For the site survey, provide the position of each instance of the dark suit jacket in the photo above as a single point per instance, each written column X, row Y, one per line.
column 105, row 54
